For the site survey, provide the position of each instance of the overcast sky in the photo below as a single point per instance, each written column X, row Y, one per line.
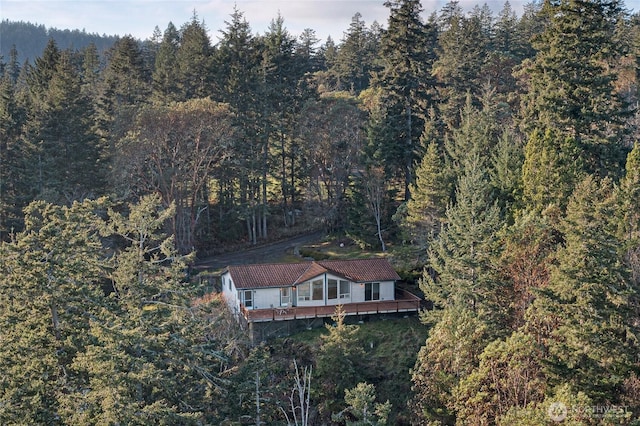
column 140, row 17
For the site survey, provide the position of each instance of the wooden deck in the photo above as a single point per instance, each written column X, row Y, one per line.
column 404, row 302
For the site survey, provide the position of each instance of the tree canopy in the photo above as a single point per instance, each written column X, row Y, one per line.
column 491, row 157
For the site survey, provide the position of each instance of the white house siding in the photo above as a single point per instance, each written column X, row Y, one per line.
column 230, row 293
column 387, row 291
column 357, row 293
column 266, row 298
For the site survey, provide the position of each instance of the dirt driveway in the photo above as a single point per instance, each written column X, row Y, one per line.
column 273, row 252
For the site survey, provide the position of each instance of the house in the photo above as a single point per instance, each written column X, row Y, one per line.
column 309, row 290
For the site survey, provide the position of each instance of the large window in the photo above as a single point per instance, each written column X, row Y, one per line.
column 304, row 292
column 317, row 290
column 332, row 289
column 338, row 289
column 345, row 289
column 372, row 291
column 311, row 291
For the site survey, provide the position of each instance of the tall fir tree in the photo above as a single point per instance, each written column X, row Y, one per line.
column 406, row 55
column 13, row 181
column 629, row 200
column 461, row 270
column 571, row 80
column 552, row 167
column 239, row 83
column 125, row 86
column 476, row 133
column 586, row 309
column 461, row 54
column 193, row 61
column 506, row 170
column 50, row 288
column 355, row 60
column 91, row 69
column 60, row 142
column 165, row 71
column 430, row 196
column 281, row 72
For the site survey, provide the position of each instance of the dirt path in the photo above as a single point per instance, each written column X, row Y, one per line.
column 264, row 254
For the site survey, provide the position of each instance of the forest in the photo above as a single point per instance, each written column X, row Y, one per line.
column 491, row 157
column 31, row 39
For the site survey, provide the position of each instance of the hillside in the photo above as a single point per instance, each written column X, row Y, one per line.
column 493, row 160
column 30, row 39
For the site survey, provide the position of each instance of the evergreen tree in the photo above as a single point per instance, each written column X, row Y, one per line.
column 236, row 61
column 165, row 71
column 571, row 80
column 306, row 48
column 239, row 83
column 43, row 70
column 90, row 75
column 406, row 54
column 12, row 68
column 355, row 60
column 508, row 47
column 586, row 308
column 462, row 52
column 151, row 354
column 325, row 78
column 629, row 200
column 193, row 61
column 552, row 167
column 126, row 80
column 531, row 24
column 125, row 86
column 63, row 150
column 49, row 289
column 281, row 72
column 462, row 259
column 476, row 134
column 430, row 195
column 339, row 347
column 449, row 355
column 12, row 180
column 82, row 349
column 506, row 171
column 362, row 405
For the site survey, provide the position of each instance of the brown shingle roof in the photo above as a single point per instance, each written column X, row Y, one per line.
column 266, row 275
column 288, row 274
column 362, row 270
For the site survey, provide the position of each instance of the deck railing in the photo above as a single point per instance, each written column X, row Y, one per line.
column 404, row 302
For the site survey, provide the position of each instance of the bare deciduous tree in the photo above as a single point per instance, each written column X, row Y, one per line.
column 299, row 399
